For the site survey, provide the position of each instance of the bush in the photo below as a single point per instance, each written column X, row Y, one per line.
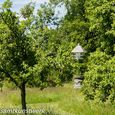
column 99, row 82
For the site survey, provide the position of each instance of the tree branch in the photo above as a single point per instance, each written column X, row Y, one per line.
column 11, row 78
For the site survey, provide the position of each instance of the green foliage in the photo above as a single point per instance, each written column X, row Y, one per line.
column 27, row 10
column 7, row 4
column 91, row 24
column 101, row 17
column 45, row 16
column 99, row 80
column 17, row 56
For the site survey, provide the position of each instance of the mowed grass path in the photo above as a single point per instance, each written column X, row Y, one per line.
column 63, row 100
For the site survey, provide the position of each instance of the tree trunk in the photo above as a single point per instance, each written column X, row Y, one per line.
column 23, row 98
column 1, row 89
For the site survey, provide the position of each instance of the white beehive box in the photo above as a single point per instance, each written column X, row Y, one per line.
column 77, row 83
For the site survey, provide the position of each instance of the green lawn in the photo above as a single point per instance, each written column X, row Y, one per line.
column 62, row 100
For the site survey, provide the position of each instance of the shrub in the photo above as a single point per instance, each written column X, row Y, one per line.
column 99, row 82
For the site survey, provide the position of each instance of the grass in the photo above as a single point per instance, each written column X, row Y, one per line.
column 55, row 101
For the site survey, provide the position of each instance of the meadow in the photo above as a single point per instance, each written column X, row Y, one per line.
column 55, row 101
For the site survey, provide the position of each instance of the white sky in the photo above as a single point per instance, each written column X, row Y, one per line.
column 26, row 1
column 18, row 4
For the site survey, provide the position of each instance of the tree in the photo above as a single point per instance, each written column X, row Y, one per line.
column 1, row 85
column 51, row 45
column 27, row 10
column 100, row 16
column 17, row 54
column 22, row 46
column 99, row 83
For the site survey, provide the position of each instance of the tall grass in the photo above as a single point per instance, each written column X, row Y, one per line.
column 56, row 101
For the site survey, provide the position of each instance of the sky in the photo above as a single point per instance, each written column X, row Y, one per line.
column 17, row 4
